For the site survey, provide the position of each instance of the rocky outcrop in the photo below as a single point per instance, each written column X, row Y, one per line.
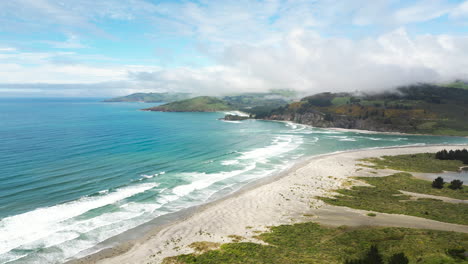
column 317, row 119
column 234, row 118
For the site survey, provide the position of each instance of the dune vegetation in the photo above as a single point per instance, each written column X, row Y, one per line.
column 313, row 243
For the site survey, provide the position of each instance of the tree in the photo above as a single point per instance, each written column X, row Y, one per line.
column 438, row 183
column 399, row 258
column 456, row 184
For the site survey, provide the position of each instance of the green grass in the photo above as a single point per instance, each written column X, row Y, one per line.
column 459, row 85
column 450, row 132
column 383, row 196
column 424, row 162
column 312, row 243
column 340, row 100
column 405, row 182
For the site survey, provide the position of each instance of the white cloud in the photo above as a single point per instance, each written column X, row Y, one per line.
column 423, row 10
column 460, row 11
column 254, row 45
column 308, row 62
column 7, row 49
column 301, row 60
column 72, row 42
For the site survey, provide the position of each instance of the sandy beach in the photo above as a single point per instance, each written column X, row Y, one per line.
column 285, row 199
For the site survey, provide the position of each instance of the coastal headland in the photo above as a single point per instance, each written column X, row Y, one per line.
column 289, row 198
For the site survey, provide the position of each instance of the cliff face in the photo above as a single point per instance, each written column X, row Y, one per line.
column 235, row 118
column 317, row 119
column 414, row 109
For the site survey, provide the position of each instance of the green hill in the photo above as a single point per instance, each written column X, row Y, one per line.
column 422, row 108
column 197, row 104
column 151, row 97
column 247, row 102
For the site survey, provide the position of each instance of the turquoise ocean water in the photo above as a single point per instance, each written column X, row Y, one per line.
column 75, row 172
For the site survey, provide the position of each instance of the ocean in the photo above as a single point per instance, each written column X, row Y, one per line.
column 75, row 172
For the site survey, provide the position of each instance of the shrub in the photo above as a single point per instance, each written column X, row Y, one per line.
column 457, row 253
column 456, row 185
column 399, row 258
column 438, row 183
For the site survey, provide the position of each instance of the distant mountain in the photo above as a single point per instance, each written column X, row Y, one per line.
column 422, row 108
column 197, row 104
column 257, row 102
column 151, row 97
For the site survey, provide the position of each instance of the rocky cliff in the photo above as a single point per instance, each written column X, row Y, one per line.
column 317, row 119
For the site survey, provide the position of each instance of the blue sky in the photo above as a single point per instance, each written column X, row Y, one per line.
column 116, row 47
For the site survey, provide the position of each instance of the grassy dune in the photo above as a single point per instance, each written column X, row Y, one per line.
column 312, row 243
column 384, row 196
column 424, row 162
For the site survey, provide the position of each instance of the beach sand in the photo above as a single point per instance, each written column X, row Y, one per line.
column 285, row 199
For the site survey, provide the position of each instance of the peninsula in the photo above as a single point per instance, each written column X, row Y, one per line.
column 197, row 104
column 150, row 97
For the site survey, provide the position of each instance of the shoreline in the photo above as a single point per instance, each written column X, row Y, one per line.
column 257, row 205
column 363, row 131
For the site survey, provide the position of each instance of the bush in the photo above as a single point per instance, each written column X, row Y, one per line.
column 456, row 185
column 458, row 254
column 438, row 183
column 399, row 258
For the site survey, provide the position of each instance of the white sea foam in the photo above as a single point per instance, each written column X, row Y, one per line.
column 43, row 223
column 347, row 139
column 237, row 113
column 229, row 162
column 280, row 145
column 10, row 257
column 232, row 122
column 296, row 126
column 331, row 132
column 203, row 180
column 149, row 176
column 61, row 225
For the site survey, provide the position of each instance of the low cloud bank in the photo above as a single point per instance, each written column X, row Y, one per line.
column 299, row 60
